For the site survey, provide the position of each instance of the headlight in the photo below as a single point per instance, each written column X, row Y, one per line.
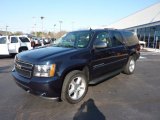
column 44, row 70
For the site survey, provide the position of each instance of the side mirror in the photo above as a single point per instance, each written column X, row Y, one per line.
column 100, row 45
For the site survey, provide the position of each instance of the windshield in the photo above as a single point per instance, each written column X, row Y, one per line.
column 24, row 39
column 79, row 39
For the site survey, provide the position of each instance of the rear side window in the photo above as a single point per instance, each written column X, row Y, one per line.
column 3, row 40
column 116, row 38
column 130, row 38
column 24, row 39
column 14, row 40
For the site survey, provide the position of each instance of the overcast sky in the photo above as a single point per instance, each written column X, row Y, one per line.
column 24, row 15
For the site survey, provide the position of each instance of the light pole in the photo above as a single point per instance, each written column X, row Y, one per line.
column 35, row 29
column 6, row 29
column 34, row 26
column 54, row 30
column 72, row 25
column 60, row 22
column 42, row 24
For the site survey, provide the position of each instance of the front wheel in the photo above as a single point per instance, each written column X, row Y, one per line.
column 75, row 87
column 130, row 66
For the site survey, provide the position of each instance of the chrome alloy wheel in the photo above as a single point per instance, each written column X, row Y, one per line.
column 132, row 65
column 76, row 88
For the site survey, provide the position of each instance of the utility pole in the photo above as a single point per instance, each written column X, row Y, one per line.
column 42, row 24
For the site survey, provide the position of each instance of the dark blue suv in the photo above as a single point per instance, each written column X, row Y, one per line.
column 79, row 58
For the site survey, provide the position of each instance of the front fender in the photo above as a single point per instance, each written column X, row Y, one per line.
column 70, row 66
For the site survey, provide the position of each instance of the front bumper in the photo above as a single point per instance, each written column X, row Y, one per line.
column 45, row 87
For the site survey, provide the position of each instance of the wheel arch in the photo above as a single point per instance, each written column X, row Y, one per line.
column 22, row 48
column 83, row 68
column 134, row 54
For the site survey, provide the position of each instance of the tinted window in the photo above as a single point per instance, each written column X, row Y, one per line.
column 130, row 38
column 116, row 39
column 103, row 37
column 14, row 40
column 24, row 39
column 3, row 40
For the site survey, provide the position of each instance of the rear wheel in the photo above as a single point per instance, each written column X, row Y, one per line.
column 22, row 49
column 75, row 87
column 130, row 66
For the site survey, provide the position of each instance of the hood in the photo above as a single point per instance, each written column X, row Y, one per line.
column 41, row 54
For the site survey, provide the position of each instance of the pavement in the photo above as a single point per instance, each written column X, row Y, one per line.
column 150, row 50
column 123, row 97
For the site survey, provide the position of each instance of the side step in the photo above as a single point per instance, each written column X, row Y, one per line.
column 104, row 77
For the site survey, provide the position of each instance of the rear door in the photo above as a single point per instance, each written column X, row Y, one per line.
column 119, row 50
column 3, row 46
column 25, row 42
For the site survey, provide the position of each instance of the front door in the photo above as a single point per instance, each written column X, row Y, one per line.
column 102, row 57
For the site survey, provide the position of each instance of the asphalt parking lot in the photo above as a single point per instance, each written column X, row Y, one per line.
column 123, row 97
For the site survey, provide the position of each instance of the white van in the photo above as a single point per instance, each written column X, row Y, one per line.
column 14, row 44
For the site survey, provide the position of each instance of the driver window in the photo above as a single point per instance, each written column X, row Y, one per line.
column 103, row 37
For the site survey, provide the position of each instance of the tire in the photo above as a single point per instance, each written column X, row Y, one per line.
column 12, row 55
column 130, row 66
column 23, row 49
column 75, row 87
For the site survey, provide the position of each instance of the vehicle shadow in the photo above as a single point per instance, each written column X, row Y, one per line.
column 5, row 69
column 6, row 56
column 88, row 111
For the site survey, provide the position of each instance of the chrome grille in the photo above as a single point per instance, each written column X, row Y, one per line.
column 23, row 68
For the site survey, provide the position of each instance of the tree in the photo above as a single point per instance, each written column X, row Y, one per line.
column 39, row 34
column 59, row 34
column 18, row 33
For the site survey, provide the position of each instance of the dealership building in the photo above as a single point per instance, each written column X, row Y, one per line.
column 144, row 23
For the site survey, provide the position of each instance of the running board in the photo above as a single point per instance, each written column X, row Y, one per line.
column 104, row 77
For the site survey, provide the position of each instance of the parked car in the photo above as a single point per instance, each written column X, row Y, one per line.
column 14, row 44
column 46, row 41
column 142, row 44
column 76, row 60
column 36, row 42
